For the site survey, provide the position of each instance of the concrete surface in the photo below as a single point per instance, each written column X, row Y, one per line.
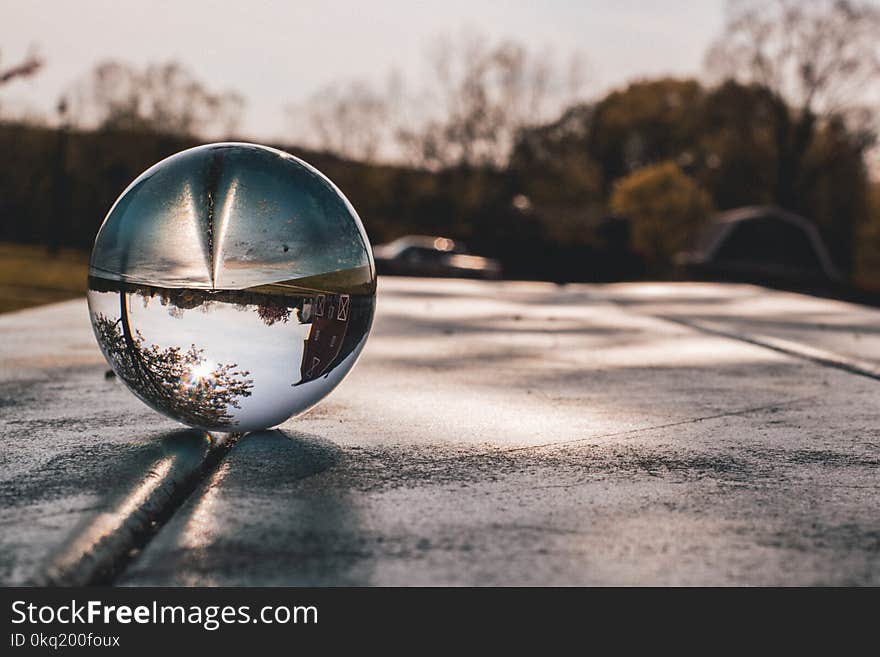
column 828, row 330
column 493, row 433
column 75, row 445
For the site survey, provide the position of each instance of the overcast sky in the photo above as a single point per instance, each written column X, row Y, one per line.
column 280, row 52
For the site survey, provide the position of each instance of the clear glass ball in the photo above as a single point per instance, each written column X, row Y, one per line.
column 231, row 286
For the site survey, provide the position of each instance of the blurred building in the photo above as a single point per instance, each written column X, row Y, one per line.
column 761, row 244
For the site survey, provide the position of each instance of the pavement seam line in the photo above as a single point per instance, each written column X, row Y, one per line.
column 106, row 545
column 787, row 347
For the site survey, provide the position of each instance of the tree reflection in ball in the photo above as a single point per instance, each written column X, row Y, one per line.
column 231, row 287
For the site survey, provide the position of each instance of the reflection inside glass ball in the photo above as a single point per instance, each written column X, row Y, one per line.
column 231, row 286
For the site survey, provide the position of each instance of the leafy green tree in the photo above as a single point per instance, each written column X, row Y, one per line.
column 819, row 60
column 734, row 152
column 867, row 251
column 648, row 122
column 665, row 208
column 552, row 165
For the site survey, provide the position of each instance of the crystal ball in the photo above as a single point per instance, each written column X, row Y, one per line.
column 231, row 286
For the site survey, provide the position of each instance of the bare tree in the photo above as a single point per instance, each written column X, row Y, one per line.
column 349, row 119
column 475, row 98
column 27, row 67
column 162, row 97
column 168, row 377
column 482, row 96
column 820, row 59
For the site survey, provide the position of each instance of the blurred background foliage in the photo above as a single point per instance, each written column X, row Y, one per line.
column 665, row 207
column 505, row 151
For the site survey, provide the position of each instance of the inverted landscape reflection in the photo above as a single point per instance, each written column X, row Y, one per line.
column 231, row 287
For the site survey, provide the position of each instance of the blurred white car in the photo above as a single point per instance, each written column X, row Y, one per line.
column 424, row 255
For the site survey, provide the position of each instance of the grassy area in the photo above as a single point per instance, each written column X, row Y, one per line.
column 31, row 277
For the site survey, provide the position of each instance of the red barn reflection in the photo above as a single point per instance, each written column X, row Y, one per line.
column 329, row 319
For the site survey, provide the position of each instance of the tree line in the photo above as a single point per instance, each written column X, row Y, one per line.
column 502, row 148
